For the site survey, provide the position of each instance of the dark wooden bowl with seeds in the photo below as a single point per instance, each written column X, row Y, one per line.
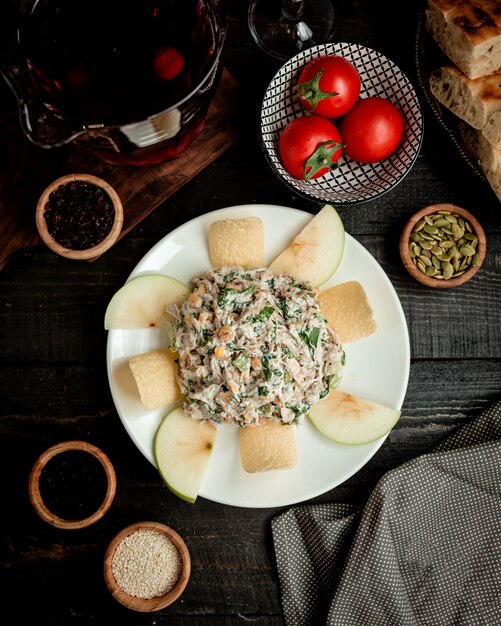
column 443, row 246
column 79, row 216
column 147, row 566
column 72, row 485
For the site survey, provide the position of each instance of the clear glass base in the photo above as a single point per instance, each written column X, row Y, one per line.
column 282, row 28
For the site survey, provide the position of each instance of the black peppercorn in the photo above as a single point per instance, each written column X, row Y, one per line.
column 79, row 215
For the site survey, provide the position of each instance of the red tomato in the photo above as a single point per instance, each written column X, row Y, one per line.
column 168, row 63
column 372, row 130
column 309, row 147
column 328, row 86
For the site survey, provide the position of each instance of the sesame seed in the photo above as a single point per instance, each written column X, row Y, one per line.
column 146, row 564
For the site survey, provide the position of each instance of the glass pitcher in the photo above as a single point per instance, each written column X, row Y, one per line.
column 130, row 79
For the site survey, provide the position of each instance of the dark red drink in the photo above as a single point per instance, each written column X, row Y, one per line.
column 136, row 75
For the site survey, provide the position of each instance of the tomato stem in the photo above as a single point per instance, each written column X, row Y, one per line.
column 321, row 158
column 310, row 91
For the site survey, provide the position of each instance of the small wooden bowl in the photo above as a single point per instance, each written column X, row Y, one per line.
column 103, row 245
column 146, row 605
column 36, row 496
column 429, row 281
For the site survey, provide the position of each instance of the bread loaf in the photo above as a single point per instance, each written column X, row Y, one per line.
column 469, row 32
column 474, row 101
column 488, row 157
column 492, row 130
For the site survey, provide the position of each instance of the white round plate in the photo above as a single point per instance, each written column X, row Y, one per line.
column 377, row 367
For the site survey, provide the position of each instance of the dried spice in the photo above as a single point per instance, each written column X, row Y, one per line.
column 73, row 485
column 79, row 215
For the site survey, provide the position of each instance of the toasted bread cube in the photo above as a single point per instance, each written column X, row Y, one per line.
column 269, row 446
column 235, row 242
column 348, row 311
column 155, row 376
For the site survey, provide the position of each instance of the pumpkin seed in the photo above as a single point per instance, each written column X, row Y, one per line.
column 427, row 236
column 448, row 271
column 467, row 250
column 430, row 229
column 475, row 259
column 431, row 271
column 426, row 245
column 425, row 260
column 419, row 226
column 451, row 218
column 421, row 266
column 441, row 222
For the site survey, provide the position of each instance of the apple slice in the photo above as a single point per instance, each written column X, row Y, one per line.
column 182, row 448
column 142, row 302
column 316, row 252
column 351, row 420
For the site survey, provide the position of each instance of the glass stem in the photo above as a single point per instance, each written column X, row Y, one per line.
column 292, row 9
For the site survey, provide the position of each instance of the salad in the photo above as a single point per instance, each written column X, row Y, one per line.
column 253, row 346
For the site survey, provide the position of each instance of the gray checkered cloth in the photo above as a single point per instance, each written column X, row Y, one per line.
column 425, row 550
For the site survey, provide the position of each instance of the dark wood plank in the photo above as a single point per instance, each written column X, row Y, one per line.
column 53, row 375
column 442, row 324
column 80, row 406
column 233, row 571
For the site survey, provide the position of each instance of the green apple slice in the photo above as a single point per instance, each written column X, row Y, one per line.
column 316, row 252
column 142, row 302
column 348, row 419
column 182, row 448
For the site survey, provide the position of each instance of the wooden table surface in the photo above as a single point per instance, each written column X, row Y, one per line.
column 54, row 385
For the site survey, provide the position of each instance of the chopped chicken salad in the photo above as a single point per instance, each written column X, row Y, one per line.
column 253, row 346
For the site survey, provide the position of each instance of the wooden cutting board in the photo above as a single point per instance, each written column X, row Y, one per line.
column 26, row 170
